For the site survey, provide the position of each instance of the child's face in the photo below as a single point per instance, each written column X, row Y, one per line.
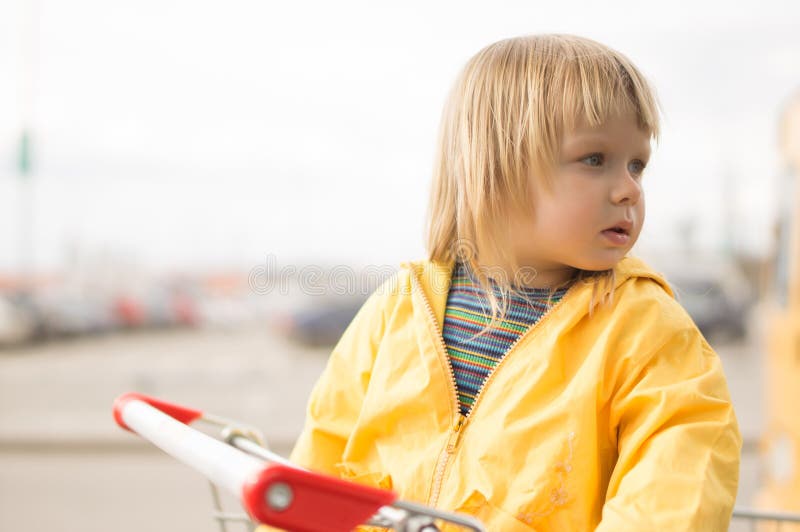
column 591, row 214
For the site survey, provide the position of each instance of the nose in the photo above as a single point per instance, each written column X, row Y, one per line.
column 627, row 189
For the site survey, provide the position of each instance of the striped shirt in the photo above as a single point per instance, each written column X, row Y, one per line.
column 467, row 314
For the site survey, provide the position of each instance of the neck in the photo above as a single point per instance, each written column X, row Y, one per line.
column 529, row 276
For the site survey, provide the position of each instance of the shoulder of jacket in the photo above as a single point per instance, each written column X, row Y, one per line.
column 640, row 318
column 655, row 327
column 642, row 297
column 633, row 268
column 396, row 284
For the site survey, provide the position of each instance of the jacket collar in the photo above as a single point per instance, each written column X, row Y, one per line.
column 434, row 277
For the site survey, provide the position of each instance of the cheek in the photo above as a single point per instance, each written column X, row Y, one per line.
column 559, row 223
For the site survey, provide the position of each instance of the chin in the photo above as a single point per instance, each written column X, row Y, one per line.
column 600, row 264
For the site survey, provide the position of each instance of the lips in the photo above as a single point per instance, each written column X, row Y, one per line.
column 619, row 233
column 622, row 227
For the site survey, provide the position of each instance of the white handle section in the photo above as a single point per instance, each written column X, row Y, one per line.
column 220, row 463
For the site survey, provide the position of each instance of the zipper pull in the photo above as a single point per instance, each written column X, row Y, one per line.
column 455, row 436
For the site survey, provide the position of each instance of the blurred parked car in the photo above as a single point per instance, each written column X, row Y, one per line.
column 129, row 311
column 715, row 310
column 716, row 294
column 158, row 307
column 17, row 324
column 319, row 325
column 223, row 312
column 166, row 307
column 63, row 313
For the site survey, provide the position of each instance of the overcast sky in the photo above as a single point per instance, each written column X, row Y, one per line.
column 216, row 133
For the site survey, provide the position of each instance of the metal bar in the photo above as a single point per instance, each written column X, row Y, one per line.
column 217, row 506
column 231, row 517
column 244, row 444
column 465, row 521
column 766, row 515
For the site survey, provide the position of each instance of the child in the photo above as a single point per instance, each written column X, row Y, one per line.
column 530, row 373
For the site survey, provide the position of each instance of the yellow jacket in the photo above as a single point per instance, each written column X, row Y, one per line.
column 619, row 420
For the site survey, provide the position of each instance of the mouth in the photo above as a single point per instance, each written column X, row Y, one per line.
column 619, row 233
column 622, row 228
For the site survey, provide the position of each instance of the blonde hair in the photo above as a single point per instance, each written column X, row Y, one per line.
column 503, row 123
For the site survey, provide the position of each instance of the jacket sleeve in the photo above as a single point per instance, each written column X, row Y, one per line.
column 335, row 401
column 678, row 443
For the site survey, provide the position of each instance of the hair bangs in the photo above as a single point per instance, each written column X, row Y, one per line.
column 596, row 83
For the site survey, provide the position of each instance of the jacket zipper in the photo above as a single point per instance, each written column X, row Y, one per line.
column 444, row 458
column 461, row 420
column 458, row 426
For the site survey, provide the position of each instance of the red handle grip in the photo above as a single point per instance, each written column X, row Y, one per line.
column 181, row 413
column 303, row 501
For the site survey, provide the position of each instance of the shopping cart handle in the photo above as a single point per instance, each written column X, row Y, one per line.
column 182, row 413
column 301, row 500
column 272, row 493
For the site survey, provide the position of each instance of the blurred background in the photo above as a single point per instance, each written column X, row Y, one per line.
column 195, row 197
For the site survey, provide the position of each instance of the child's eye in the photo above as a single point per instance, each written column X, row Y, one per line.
column 595, row 159
column 636, row 167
